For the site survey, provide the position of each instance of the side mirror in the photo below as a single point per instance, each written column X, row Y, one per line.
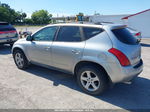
column 29, row 38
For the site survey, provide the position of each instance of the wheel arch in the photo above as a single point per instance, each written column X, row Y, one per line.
column 21, row 49
column 90, row 63
column 17, row 48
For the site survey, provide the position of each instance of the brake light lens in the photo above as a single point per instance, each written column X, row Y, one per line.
column 5, row 32
column 124, row 61
column 138, row 34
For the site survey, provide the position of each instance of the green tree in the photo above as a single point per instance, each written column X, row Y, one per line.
column 24, row 15
column 28, row 21
column 8, row 14
column 5, row 5
column 41, row 17
column 4, row 16
column 20, row 16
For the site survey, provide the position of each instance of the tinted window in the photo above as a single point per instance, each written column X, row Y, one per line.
column 46, row 34
column 91, row 32
column 125, row 36
column 69, row 34
column 4, row 23
column 4, row 27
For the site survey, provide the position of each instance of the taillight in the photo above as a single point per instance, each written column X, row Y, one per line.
column 5, row 32
column 124, row 61
column 138, row 34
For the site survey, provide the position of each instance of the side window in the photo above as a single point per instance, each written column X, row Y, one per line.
column 69, row 34
column 46, row 34
column 90, row 32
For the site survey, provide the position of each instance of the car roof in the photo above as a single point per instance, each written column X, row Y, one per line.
column 4, row 23
column 88, row 25
column 105, row 26
column 76, row 24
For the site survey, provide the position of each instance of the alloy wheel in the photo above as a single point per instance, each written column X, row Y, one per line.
column 90, row 81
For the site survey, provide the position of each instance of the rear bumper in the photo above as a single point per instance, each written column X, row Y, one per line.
column 125, row 74
column 8, row 40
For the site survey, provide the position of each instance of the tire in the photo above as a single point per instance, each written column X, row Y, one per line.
column 20, row 59
column 98, row 78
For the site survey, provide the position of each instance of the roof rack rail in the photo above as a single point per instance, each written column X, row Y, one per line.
column 81, row 22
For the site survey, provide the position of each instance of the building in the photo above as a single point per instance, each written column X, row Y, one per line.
column 107, row 18
column 139, row 21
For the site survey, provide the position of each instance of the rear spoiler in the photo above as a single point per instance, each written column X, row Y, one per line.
column 118, row 27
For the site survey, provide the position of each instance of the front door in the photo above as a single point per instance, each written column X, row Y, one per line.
column 39, row 49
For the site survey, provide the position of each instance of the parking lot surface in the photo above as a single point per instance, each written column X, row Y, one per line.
column 41, row 88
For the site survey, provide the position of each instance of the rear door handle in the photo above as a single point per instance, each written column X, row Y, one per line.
column 75, row 51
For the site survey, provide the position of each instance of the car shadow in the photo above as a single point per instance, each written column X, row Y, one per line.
column 5, row 49
column 130, row 97
column 145, row 45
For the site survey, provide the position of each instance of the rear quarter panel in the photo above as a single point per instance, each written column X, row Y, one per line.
column 133, row 52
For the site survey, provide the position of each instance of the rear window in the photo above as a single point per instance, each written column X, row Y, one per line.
column 125, row 36
column 90, row 32
column 4, row 23
column 6, row 27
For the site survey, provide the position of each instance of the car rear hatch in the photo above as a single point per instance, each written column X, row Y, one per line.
column 125, row 42
column 7, row 31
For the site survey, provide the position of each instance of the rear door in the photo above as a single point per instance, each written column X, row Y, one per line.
column 68, row 47
column 125, row 42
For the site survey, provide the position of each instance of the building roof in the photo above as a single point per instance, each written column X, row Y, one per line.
column 136, row 14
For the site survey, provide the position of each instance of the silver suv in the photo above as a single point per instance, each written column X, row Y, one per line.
column 98, row 55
